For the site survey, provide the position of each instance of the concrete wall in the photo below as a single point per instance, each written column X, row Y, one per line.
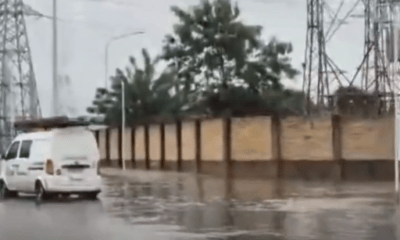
column 114, row 144
column 251, row 139
column 368, row 139
column 212, row 140
column 102, row 144
column 127, row 154
column 261, row 147
column 155, row 142
column 307, row 140
column 139, row 144
column 171, row 143
column 188, row 141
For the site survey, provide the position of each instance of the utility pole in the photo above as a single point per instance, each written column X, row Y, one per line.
column 123, row 124
column 396, row 105
column 108, row 43
column 396, row 117
column 122, row 90
column 55, row 70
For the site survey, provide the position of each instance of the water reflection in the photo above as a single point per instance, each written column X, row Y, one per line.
column 255, row 210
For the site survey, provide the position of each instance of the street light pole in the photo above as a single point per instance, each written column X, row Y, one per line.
column 55, row 70
column 396, row 113
column 106, row 52
column 396, row 92
column 123, row 123
column 122, row 90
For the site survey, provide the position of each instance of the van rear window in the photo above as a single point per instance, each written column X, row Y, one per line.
column 75, row 146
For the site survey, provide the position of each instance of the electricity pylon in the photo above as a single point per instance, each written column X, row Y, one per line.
column 18, row 90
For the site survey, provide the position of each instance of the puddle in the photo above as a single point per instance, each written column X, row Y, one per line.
column 202, row 208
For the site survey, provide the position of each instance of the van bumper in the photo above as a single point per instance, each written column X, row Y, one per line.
column 55, row 184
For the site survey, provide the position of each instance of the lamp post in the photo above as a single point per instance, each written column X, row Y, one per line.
column 396, row 96
column 396, row 111
column 55, row 70
column 123, row 124
column 122, row 89
column 108, row 46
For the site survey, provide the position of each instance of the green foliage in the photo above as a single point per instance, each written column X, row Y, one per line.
column 211, row 43
column 215, row 63
column 144, row 95
column 211, row 49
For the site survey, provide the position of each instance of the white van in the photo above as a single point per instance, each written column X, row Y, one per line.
column 49, row 163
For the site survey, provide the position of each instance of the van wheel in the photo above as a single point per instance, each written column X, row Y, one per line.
column 40, row 193
column 5, row 193
column 91, row 195
column 65, row 195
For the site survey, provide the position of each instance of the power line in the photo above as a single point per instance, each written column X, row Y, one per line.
column 29, row 11
column 274, row 1
column 122, row 3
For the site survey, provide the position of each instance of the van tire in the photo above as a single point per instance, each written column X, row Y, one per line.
column 4, row 192
column 65, row 195
column 41, row 193
column 91, row 195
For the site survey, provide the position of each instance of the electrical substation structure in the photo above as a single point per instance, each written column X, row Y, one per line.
column 18, row 91
column 377, row 71
column 379, row 67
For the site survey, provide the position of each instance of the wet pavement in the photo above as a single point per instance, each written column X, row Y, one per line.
column 154, row 205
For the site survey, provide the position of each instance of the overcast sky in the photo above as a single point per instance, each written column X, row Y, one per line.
column 86, row 25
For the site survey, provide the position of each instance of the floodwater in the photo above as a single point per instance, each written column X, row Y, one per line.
column 184, row 206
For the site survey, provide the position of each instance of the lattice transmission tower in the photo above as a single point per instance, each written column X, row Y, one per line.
column 320, row 71
column 18, row 91
column 315, row 53
column 375, row 74
column 381, row 26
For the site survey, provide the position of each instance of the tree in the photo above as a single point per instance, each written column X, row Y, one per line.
column 215, row 63
column 212, row 50
column 210, row 41
column 145, row 96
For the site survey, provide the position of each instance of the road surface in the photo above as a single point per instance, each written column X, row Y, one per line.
column 181, row 206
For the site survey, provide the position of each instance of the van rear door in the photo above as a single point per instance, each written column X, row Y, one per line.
column 75, row 151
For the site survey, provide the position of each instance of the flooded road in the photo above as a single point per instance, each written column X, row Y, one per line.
column 183, row 206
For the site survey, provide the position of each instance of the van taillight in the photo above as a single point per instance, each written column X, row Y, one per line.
column 49, row 167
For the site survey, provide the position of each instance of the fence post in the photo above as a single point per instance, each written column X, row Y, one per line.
column 133, row 158
column 227, row 132
column 179, row 144
column 276, row 130
column 198, row 145
column 162, row 142
column 227, row 139
column 147, row 146
column 108, row 146
column 337, row 144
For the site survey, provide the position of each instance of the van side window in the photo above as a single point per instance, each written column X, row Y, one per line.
column 25, row 149
column 13, row 151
